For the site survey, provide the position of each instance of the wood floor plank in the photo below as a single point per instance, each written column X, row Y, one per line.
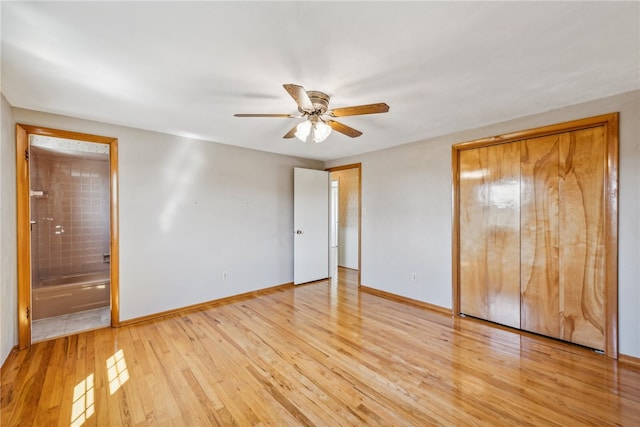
column 316, row 355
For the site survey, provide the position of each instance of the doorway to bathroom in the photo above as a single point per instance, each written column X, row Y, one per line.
column 345, row 219
column 67, row 238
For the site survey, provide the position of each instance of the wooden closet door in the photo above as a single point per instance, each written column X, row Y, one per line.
column 562, row 236
column 582, row 238
column 539, row 258
column 489, row 224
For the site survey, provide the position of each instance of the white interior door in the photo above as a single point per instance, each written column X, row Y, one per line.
column 311, row 225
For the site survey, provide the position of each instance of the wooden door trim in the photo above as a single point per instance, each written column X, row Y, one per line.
column 23, row 221
column 359, row 167
column 611, row 234
column 610, row 122
column 604, row 119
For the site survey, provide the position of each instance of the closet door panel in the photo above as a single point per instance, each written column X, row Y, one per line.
column 582, row 238
column 539, row 235
column 536, row 230
column 489, row 221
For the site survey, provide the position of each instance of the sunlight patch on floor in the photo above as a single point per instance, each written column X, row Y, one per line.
column 83, row 402
column 117, row 371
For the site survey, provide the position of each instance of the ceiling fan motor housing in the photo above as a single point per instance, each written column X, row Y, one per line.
column 320, row 101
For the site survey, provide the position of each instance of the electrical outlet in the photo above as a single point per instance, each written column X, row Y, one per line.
column 414, row 276
column 224, row 275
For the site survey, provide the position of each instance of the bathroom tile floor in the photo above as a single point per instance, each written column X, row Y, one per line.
column 67, row 324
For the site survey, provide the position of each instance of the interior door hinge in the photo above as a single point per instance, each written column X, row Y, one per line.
column 26, row 155
column 28, row 312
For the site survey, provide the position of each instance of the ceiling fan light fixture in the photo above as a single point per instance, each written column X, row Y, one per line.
column 302, row 130
column 320, row 131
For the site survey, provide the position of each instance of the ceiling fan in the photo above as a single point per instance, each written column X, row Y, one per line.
column 314, row 106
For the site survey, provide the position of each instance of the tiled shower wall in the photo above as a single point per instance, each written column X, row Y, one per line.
column 70, row 207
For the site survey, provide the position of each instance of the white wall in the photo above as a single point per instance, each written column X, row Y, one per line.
column 406, row 221
column 8, row 250
column 190, row 210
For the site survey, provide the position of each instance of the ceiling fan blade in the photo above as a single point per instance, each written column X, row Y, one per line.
column 300, row 96
column 339, row 127
column 265, row 115
column 360, row 109
column 291, row 133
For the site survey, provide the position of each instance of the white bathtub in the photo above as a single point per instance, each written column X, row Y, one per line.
column 69, row 294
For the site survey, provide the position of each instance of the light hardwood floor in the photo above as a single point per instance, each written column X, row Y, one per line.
column 319, row 354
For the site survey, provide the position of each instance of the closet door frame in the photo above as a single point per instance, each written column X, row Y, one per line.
column 610, row 124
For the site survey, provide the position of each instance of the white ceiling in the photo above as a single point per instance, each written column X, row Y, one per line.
column 186, row 68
